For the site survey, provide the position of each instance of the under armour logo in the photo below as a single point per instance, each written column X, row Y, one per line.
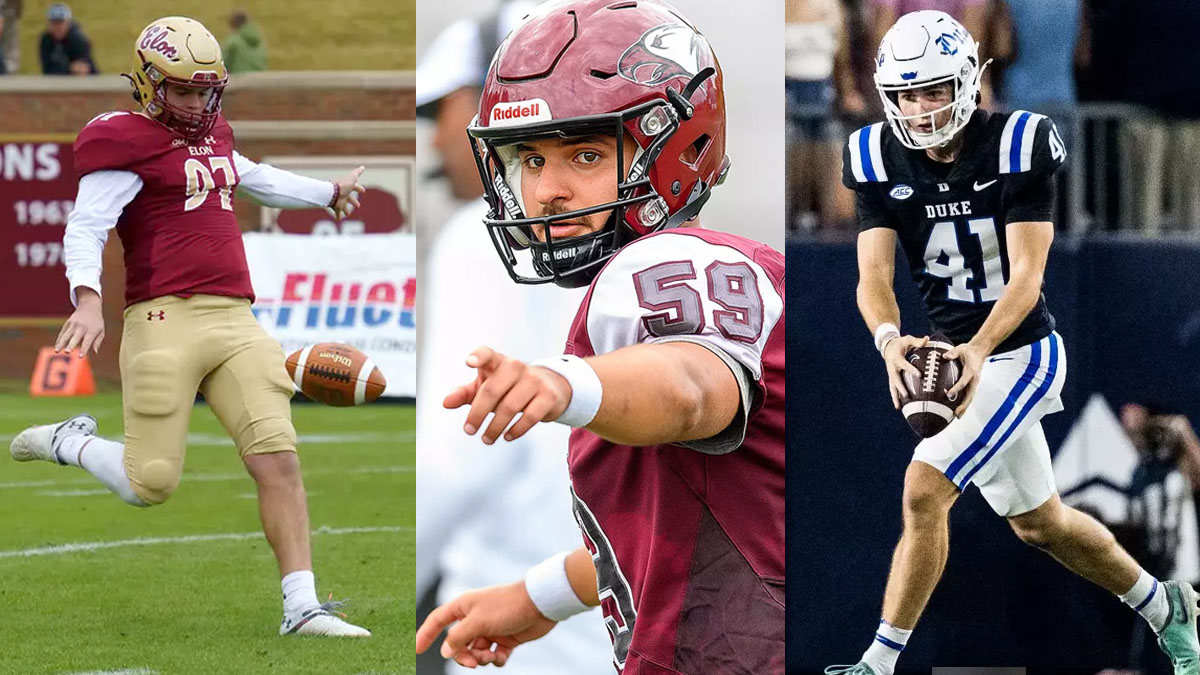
column 211, row 140
column 161, row 315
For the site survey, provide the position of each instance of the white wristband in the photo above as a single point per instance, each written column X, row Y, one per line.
column 550, row 589
column 586, row 390
column 884, row 334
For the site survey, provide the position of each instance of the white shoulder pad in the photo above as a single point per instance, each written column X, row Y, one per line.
column 674, row 285
column 866, row 153
column 1016, row 142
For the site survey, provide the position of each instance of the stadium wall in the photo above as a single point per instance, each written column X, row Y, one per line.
column 1127, row 311
column 285, row 113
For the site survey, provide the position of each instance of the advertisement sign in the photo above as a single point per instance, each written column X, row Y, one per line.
column 356, row 289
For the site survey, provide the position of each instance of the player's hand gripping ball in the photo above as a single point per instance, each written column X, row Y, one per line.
column 336, row 374
column 928, row 406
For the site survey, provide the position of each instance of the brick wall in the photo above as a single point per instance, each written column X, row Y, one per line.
column 32, row 105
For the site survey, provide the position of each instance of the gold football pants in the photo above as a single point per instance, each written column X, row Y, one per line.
column 172, row 347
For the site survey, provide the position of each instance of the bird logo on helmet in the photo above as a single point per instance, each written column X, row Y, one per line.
column 176, row 50
column 578, row 68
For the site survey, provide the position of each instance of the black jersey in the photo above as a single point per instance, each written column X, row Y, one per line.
column 951, row 217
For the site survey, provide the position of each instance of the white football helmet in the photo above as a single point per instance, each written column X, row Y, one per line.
column 924, row 48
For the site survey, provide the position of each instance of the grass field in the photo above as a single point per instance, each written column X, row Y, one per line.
column 92, row 585
column 300, row 34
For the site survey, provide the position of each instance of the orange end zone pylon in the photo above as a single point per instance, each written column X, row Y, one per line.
column 61, row 374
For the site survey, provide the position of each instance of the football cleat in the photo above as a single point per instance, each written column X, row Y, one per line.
column 321, row 620
column 42, row 442
column 1178, row 638
column 860, row 668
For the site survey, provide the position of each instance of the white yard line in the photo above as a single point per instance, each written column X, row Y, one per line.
column 124, row 671
column 203, row 440
column 84, row 546
column 213, row 477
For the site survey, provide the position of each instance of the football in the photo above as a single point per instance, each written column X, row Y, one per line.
column 928, row 408
column 336, row 374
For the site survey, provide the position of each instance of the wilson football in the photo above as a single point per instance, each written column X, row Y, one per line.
column 928, row 408
column 336, row 374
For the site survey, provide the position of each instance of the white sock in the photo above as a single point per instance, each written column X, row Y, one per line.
column 299, row 592
column 885, row 649
column 1149, row 598
column 103, row 459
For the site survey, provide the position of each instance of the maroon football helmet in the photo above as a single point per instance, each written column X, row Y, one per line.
column 632, row 68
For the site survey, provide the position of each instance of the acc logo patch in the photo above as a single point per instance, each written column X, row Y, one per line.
column 662, row 53
column 901, row 191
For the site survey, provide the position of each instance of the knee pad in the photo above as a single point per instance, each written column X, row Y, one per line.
column 266, row 435
column 154, row 480
column 153, row 383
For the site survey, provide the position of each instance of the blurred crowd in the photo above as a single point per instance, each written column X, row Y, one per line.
column 1117, row 76
column 64, row 48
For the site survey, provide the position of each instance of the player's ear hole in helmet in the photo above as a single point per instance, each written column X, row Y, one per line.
column 662, row 89
column 179, row 51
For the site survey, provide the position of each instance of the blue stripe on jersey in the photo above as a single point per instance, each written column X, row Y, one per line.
column 1038, row 395
column 889, row 643
column 998, row 417
column 1153, row 590
column 1014, row 146
column 864, row 151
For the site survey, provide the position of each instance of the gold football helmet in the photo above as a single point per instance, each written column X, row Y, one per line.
column 180, row 51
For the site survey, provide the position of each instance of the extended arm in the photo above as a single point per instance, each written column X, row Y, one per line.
column 638, row 383
column 282, row 189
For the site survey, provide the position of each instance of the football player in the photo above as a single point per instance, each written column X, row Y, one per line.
column 164, row 176
column 970, row 197
column 600, row 134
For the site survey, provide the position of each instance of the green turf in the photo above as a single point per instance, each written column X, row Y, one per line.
column 300, row 34
column 206, row 606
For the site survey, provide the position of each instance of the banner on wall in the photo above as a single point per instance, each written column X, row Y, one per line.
column 386, row 205
column 37, row 192
column 356, row 289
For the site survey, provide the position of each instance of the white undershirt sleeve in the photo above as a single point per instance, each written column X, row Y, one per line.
column 98, row 204
column 280, row 189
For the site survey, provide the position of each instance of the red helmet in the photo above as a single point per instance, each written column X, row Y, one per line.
column 583, row 67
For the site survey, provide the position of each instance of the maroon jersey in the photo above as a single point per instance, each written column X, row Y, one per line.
column 180, row 233
column 688, row 543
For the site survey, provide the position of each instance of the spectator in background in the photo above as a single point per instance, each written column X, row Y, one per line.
column 1162, row 498
column 65, row 49
column 244, row 50
column 818, row 75
column 10, row 44
column 1157, row 68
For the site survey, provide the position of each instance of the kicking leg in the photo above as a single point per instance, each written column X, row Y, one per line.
column 250, row 393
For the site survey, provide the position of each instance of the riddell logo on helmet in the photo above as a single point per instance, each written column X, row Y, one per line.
column 155, row 40
column 520, row 112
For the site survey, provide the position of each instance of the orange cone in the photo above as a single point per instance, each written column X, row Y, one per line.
column 61, row 374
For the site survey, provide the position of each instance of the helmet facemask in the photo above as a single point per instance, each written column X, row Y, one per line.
column 192, row 125
column 964, row 99
column 574, row 261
